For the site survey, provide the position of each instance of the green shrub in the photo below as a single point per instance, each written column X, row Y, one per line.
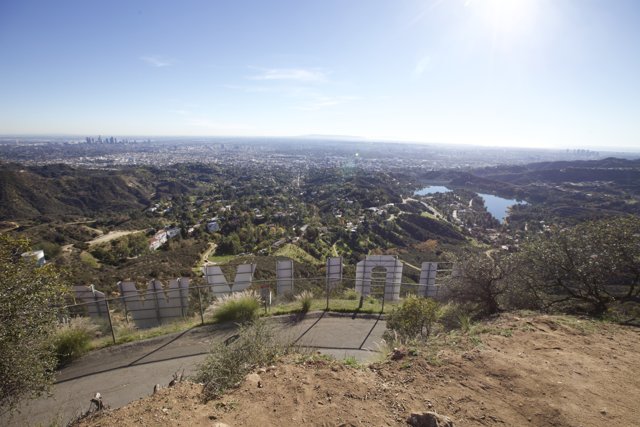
column 414, row 318
column 73, row 339
column 305, row 298
column 29, row 296
column 457, row 316
column 238, row 307
column 226, row 365
column 350, row 294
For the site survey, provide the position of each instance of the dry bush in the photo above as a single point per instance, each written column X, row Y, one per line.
column 305, row 298
column 73, row 339
column 226, row 365
column 238, row 307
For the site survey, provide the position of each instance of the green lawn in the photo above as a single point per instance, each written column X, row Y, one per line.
column 296, row 254
column 428, row 215
column 221, row 259
column 89, row 259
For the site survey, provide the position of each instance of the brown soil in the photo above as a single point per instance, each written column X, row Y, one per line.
column 513, row 371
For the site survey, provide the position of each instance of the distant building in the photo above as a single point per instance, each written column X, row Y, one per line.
column 173, row 232
column 36, row 256
column 158, row 240
column 162, row 236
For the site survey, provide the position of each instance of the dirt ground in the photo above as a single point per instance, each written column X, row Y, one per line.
column 513, row 371
column 112, row 235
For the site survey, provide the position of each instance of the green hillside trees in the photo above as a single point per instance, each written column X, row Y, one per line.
column 29, row 297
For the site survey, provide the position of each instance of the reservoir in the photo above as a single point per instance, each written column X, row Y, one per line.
column 432, row 189
column 496, row 206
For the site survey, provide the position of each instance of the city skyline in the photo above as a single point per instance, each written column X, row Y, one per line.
column 520, row 73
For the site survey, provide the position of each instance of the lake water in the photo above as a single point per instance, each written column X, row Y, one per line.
column 497, row 206
column 432, row 189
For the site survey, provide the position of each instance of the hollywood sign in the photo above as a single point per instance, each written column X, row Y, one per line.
column 160, row 304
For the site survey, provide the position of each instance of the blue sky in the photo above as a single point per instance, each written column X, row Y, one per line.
column 542, row 73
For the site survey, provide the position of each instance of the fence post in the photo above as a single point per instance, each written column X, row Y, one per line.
column 155, row 294
column 113, row 334
column 124, row 303
column 181, row 293
column 96, row 302
column 328, row 292
column 200, row 306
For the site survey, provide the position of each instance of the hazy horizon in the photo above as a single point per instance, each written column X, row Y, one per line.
column 336, row 138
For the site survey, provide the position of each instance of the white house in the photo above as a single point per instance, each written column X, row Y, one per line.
column 36, row 256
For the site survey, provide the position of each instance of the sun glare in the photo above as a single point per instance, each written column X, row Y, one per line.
column 506, row 16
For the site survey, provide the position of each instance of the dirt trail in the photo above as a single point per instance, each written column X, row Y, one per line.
column 539, row 371
column 205, row 255
column 6, row 226
column 111, row 236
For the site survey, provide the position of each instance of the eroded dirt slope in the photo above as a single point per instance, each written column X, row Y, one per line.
column 513, row 371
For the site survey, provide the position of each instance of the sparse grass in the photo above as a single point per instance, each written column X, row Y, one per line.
column 302, row 356
column 475, row 340
column 73, row 339
column 89, row 260
column 464, row 320
column 127, row 332
column 335, row 305
column 434, row 359
column 351, row 362
column 297, row 254
column 221, row 259
column 581, row 325
column 428, row 215
column 456, row 316
column 350, row 294
column 305, row 299
column 236, row 307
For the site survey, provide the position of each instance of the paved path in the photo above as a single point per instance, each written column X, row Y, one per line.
column 130, row 371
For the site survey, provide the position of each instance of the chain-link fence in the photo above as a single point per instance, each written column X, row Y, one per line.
column 185, row 300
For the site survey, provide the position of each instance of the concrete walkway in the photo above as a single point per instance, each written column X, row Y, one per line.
column 130, row 371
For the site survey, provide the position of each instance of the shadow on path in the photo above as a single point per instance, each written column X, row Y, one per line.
column 370, row 331
column 309, row 328
column 137, row 361
column 198, row 350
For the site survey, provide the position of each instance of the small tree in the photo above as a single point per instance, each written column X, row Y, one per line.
column 29, row 297
column 413, row 318
column 594, row 264
column 481, row 280
column 229, row 245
